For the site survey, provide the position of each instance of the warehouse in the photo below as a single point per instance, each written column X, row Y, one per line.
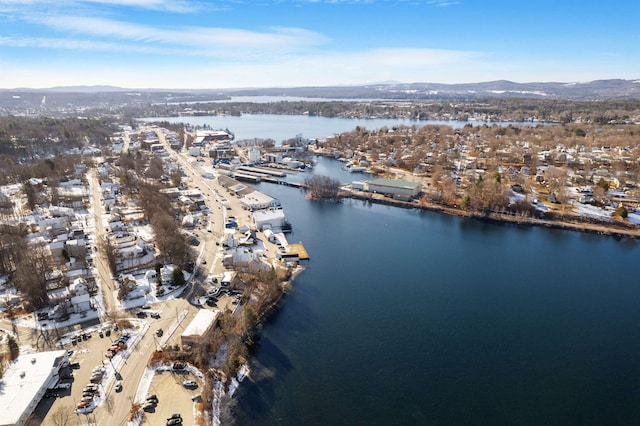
column 393, row 187
column 273, row 219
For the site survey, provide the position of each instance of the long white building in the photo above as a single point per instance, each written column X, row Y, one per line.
column 25, row 382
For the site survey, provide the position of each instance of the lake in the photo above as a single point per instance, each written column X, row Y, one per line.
column 283, row 127
column 407, row 317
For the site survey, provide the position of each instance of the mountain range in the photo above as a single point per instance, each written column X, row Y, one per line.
column 92, row 96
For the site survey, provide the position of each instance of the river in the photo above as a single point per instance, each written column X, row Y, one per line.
column 407, row 317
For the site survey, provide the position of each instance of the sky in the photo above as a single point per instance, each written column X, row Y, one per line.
column 182, row 44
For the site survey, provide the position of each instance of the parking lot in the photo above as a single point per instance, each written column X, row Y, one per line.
column 173, row 398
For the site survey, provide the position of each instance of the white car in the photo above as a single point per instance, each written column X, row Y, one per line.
column 85, row 410
column 189, row 384
column 63, row 386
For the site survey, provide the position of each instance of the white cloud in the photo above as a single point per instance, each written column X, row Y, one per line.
column 178, row 6
column 175, row 6
column 226, row 42
column 443, row 3
column 287, row 70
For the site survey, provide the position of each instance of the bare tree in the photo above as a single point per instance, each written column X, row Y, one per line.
column 31, row 275
column 62, row 416
column 322, row 187
column 110, row 251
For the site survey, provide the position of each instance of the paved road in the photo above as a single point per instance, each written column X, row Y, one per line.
column 104, row 273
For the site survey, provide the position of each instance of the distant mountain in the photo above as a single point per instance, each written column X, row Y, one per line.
column 593, row 90
column 64, row 98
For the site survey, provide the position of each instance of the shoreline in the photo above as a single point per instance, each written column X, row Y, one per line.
column 600, row 228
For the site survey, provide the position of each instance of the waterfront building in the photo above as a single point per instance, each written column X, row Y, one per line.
column 271, row 219
column 393, row 187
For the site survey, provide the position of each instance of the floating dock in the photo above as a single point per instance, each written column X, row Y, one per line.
column 299, row 250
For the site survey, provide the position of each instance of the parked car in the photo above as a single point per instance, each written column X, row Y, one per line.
column 148, row 406
column 152, row 398
column 75, row 365
column 141, row 314
column 146, row 306
column 172, row 422
column 63, row 386
column 86, row 409
column 159, row 332
column 118, row 387
column 175, row 416
column 155, row 315
column 189, row 384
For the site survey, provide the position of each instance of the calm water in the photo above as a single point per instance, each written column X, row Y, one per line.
column 408, row 318
column 283, row 127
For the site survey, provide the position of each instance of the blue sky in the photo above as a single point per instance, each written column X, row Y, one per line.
column 235, row 43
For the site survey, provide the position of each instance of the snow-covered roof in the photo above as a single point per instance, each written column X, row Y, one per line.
column 23, row 380
column 267, row 215
column 201, row 322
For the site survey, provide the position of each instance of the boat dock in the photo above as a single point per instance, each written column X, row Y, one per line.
column 299, row 250
column 283, row 182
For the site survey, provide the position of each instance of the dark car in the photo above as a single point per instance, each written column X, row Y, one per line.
column 75, row 365
column 141, row 314
column 172, row 422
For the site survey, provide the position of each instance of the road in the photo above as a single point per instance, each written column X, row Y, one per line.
column 104, row 273
column 115, row 408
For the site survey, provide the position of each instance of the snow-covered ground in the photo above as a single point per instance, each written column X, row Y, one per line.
column 587, row 211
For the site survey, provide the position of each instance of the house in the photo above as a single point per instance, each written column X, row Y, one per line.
column 80, row 304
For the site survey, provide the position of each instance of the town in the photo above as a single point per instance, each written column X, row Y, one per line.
column 132, row 291
column 136, row 269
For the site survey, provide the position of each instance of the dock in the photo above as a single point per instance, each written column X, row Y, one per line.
column 299, row 250
column 283, row 182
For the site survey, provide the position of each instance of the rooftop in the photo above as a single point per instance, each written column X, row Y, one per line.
column 22, row 381
column 394, row 183
column 201, row 322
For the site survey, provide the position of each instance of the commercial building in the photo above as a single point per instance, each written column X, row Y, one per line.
column 271, row 219
column 256, row 200
column 393, row 187
column 25, row 382
column 200, row 328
